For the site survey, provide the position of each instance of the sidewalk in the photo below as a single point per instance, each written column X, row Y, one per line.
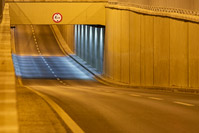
column 8, row 111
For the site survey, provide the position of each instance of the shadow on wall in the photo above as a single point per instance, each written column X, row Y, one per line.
column 2, row 3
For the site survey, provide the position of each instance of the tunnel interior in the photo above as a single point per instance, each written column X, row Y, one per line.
column 89, row 45
column 39, row 56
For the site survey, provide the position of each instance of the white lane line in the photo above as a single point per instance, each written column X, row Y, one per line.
column 156, row 98
column 182, row 103
column 65, row 117
column 135, row 95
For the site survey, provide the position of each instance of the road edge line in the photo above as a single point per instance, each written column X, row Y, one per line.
column 74, row 127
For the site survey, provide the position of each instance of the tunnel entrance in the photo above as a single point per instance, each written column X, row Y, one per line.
column 89, row 45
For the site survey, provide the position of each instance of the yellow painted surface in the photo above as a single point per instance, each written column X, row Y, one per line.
column 67, row 32
column 161, row 51
column 180, row 4
column 147, row 45
column 154, row 51
column 193, row 55
column 73, row 13
column 117, row 45
column 135, row 38
column 125, row 47
column 178, row 53
column 8, row 110
column 109, row 47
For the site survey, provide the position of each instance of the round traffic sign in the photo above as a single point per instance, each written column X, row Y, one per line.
column 57, row 17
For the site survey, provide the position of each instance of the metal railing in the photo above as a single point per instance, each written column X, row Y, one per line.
column 2, row 3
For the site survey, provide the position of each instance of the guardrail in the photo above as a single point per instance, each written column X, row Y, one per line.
column 2, row 3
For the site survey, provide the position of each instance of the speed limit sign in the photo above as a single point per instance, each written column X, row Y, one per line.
column 57, row 17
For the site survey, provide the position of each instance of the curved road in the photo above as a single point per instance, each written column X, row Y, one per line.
column 97, row 108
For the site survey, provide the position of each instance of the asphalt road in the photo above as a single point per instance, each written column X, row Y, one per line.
column 97, row 108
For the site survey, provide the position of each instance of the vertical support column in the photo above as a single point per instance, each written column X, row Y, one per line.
column 91, row 46
column 78, row 40
column 82, row 42
column 95, row 48
column 86, row 43
column 88, row 50
column 98, row 49
column 101, row 49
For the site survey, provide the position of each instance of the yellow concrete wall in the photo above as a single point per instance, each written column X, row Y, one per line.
column 193, row 51
column 109, row 49
column 147, row 50
column 72, row 12
column 183, row 4
column 67, row 32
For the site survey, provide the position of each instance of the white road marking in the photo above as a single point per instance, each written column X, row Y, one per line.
column 65, row 117
column 182, row 103
column 156, row 98
column 38, row 50
column 135, row 95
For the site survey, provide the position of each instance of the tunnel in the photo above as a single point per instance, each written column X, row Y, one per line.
column 99, row 66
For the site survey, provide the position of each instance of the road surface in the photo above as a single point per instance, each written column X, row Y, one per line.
column 94, row 107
